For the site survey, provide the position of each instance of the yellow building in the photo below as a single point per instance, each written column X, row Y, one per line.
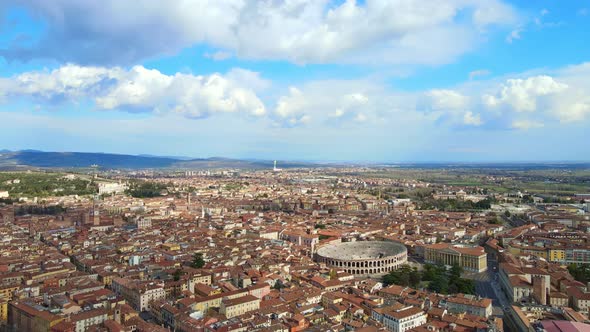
column 106, row 277
column 24, row 317
column 3, row 311
column 469, row 258
column 6, row 295
column 7, row 291
column 557, row 255
column 239, row 306
column 171, row 246
column 535, row 251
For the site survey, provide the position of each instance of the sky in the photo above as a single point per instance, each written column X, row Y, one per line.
column 314, row 80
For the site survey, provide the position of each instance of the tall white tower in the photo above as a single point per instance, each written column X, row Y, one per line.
column 275, row 169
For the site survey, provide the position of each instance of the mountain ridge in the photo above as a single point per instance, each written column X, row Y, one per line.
column 43, row 159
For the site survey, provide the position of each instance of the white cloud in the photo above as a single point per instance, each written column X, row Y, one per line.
column 142, row 90
column 327, row 101
column 526, row 124
column 292, row 107
column 450, row 106
column 473, row 120
column 251, row 79
column 560, row 94
column 538, row 21
column 575, row 111
column 514, row 35
column 522, row 94
column 66, row 82
column 301, row 31
column 447, row 100
column 218, row 56
column 360, row 117
column 490, row 12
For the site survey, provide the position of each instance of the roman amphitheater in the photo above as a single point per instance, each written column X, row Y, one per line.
column 363, row 258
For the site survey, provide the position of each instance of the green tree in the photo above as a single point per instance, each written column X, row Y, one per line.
column 177, row 274
column 455, row 271
column 440, row 284
column 198, row 261
column 415, row 277
column 580, row 272
column 279, row 285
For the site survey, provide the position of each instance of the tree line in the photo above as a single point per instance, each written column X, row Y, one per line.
column 145, row 189
column 435, row 278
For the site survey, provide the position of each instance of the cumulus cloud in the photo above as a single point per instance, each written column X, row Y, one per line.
column 450, row 106
column 301, row 31
column 65, row 83
column 491, row 104
column 141, row 90
column 292, row 107
column 334, row 103
column 499, row 104
column 522, row 95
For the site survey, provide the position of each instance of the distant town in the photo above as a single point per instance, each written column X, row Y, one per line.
column 298, row 249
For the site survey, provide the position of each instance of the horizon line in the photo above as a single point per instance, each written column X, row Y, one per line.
column 329, row 161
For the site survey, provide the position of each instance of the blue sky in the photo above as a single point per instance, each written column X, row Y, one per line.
column 374, row 80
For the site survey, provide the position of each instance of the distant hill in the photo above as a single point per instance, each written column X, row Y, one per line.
column 30, row 158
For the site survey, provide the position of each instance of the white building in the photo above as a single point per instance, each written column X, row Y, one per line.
column 139, row 294
column 143, row 223
column 470, row 305
column 4, row 194
column 105, row 188
column 239, row 306
column 84, row 320
column 403, row 319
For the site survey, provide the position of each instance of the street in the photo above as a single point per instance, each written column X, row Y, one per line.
column 487, row 286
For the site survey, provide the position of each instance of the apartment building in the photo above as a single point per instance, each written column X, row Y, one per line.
column 139, row 294
column 471, row 305
column 404, row 319
column 239, row 306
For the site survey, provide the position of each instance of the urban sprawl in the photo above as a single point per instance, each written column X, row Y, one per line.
column 318, row 249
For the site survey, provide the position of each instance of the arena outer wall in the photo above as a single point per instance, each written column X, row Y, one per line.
column 363, row 258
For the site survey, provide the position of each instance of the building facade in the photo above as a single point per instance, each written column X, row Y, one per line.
column 469, row 258
column 404, row 319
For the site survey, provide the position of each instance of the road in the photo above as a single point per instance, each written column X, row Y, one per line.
column 486, row 285
column 514, row 221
